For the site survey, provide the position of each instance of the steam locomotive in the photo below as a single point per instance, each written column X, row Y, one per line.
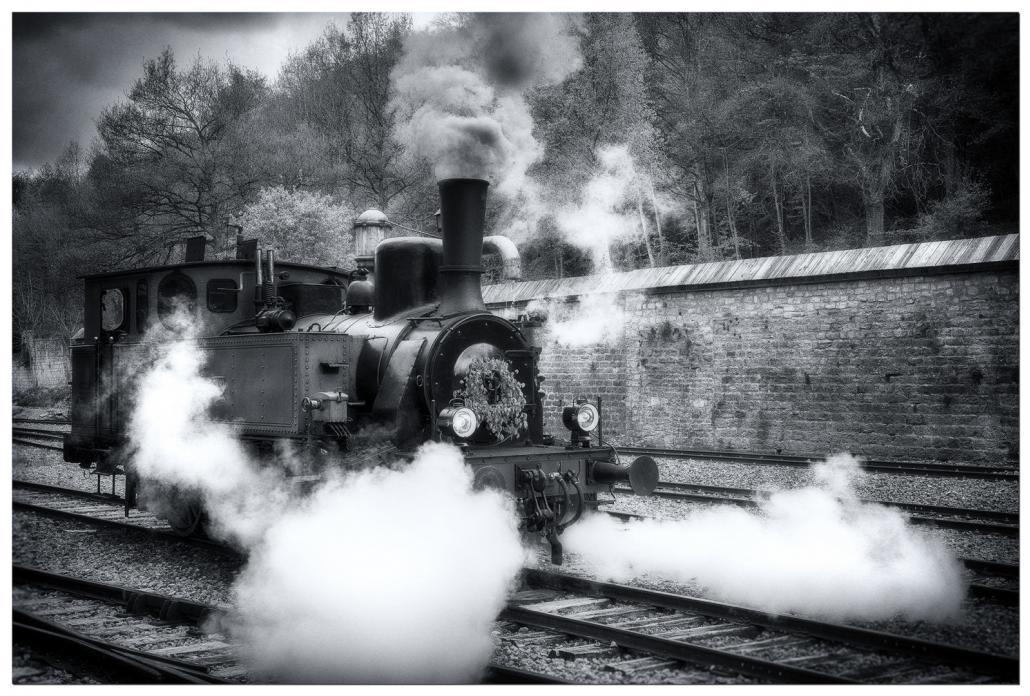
column 325, row 356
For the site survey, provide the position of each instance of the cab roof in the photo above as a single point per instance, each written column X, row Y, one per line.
column 223, row 262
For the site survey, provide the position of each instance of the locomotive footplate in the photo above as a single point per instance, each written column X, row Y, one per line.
column 536, row 454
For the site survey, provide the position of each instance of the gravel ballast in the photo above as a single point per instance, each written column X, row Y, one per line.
column 981, row 494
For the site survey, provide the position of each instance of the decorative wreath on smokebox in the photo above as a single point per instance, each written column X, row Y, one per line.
column 491, row 389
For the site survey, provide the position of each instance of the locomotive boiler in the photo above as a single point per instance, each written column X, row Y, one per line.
column 331, row 361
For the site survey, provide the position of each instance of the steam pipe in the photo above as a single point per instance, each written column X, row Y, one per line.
column 462, row 218
column 579, row 505
column 267, row 288
column 509, row 253
column 259, row 282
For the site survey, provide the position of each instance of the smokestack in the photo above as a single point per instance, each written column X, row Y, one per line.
column 462, row 217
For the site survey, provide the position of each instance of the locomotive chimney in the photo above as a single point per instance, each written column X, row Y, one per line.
column 462, row 217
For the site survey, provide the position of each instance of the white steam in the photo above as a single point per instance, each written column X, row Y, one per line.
column 459, row 93
column 617, row 204
column 601, row 216
column 388, row 576
column 595, row 319
column 815, row 551
column 384, row 575
column 175, row 443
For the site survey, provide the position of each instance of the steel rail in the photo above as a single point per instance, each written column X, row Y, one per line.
column 165, row 533
column 879, row 466
column 501, row 674
column 946, row 523
column 41, row 420
column 166, row 669
column 185, row 611
column 162, row 606
column 42, row 432
column 79, row 517
column 25, row 628
column 61, row 490
column 982, row 662
column 39, row 445
column 1003, row 570
column 997, row 595
column 1004, row 517
column 683, row 651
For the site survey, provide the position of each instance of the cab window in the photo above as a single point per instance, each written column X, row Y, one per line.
column 175, row 293
column 222, row 295
column 112, row 309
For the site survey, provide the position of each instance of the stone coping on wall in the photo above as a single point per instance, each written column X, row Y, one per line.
column 898, row 259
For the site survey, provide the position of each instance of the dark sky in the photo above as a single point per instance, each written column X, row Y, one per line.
column 67, row 67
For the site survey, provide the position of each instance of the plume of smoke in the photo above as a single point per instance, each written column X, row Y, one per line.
column 594, row 320
column 606, row 211
column 459, row 93
column 175, row 443
column 380, row 575
column 815, row 550
column 387, row 576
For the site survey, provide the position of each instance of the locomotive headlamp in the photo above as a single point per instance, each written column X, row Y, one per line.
column 583, row 417
column 460, row 421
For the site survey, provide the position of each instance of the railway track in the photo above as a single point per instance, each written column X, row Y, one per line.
column 158, row 635
column 48, row 421
column 116, row 627
column 154, row 637
column 980, row 521
column 777, row 648
column 41, row 433
column 39, row 438
column 107, row 510
column 100, row 509
column 757, row 459
column 873, row 465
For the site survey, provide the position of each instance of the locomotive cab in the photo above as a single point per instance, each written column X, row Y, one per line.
column 121, row 307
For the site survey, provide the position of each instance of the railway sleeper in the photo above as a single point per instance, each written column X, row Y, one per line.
column 663, row 621
column 642, row 664
column 776, row 642
column 713, row 631
column 573, row 652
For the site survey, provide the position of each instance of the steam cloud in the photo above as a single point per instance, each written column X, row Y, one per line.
column 594, row 320
column 174, row 443
column 815, row 550
column 600, row 217
column 459, row 92
column 390, row 575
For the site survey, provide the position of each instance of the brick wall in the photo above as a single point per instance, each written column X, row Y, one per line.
column 901, row 367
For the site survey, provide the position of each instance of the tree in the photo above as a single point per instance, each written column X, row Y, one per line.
column 301, row 226
column 698, row 70
column 869, row 74
column 604, row 104
column 339, row 88
column 50, row 249
column 174, row 161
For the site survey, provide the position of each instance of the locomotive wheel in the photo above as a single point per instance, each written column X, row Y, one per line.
column 186, row 515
